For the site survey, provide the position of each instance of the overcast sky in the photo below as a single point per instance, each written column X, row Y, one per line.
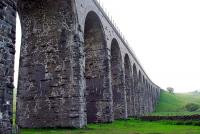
column 164, row 34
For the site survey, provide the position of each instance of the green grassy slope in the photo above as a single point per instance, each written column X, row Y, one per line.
column 175, row 103
column 123, row 127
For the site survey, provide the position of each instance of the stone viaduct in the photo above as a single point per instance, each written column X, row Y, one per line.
column 75, row 67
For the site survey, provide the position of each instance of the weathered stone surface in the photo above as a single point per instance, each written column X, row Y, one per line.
column 75, row 67
column 118, row 83
column 97, row 73
column 128, row 85
column 49, row 92
column 7, row 51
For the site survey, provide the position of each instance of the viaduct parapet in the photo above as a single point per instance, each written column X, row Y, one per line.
column 75, row 67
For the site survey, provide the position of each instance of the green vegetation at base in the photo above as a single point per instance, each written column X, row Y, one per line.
column 14, row 105
column 131, row 126
column 171, row 104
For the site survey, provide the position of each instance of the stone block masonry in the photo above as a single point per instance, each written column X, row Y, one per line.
column 7, row 52
column 50, row 87
column 75, row 68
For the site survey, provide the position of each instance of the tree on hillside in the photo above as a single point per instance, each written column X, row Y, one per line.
column 170, row 90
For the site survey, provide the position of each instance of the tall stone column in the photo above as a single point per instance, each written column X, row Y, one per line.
column 136, row 98
column 149, row 100
column 140, row 88
column 124, row 101
column 51, row 78
column 158, row 95
column 154, row 98
column 142, row 98
column 7, row 52
column 146, row 100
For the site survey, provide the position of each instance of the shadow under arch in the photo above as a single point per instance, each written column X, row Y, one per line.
column 129, row 85
column 140, row 99
column 145, row 96
column 135, row 91
column 118, row 90
column 98, row 90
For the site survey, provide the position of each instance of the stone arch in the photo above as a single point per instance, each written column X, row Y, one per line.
column 149, row 96
column 146, row 105
column 151, row 99
column 16, row 59
column 140, row 92
column 139, row 80
column 150, row 103
column 118, row 90
column 146, row 83
column 143, row 80
column 140, row 76
column 142, row 95
column 135, row 91
column 98, row 90
column 154, row 98
column 128, row 84
column 135, row 76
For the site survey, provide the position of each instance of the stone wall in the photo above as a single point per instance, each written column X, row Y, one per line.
column 50, row 87
column 7, row 51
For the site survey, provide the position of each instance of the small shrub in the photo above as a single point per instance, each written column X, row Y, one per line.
column 188, row 123
column 179, row 123
column 196, row 124
column 191, row 107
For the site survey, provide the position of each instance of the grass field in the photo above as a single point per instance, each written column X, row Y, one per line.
column 125, row 127
column 174, row 104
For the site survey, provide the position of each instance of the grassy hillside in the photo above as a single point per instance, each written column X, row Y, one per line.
column 175, row 103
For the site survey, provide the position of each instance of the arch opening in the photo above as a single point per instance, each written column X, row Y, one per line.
column 151, row 99
column 129, row 85
column 95, row 70
column 146, row 105
column 142, row 95
column 140, row 92
column 117, row 81
column 135, row 91
column 16, row 62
